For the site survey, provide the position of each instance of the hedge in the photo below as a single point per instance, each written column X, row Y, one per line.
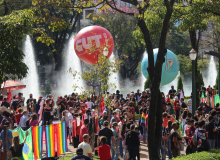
column 213, row 154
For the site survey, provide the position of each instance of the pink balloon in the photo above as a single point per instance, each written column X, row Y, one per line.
column 90, row 38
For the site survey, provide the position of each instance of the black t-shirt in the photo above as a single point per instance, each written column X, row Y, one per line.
column 5, row 103
column 108, row 133
column 18, row 152
column 209, row 128
column 140, row 111
column 37, row 107
column 15, row 105
column 171, row 93
column 184, row 105
column 63, row 106
column 29, row 101
column 132, row 139
column 81, row 158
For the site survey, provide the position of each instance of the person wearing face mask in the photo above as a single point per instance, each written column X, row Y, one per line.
column 115, row 150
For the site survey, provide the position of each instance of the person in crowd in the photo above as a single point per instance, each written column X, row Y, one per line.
column 29, row 102
column 16, row 149
column 70, row 103
column 189, row 104
column 132, row 143
column 76, row 132
column 37, row 105
column 107, row 133
column 83, row 130
column 18, row 116
column 169, row 128
column 9, row 137
column 183, row 104
column 115, row 150
column 46, row 112
column 15, row 103
column 202, row 137
column 6, row 118
column 23, row 120
column 87, row 151
column 80, row 155
column 65, row 119
column 62, row 105
column 104, row 150
column 113, row 119
column 177, row 108
column 211, row 129
column 162, row 146
column 174, row 140
column 5, row 103
column 33, row 121
column 89, row 103
column 172, row 92
column 167, row 117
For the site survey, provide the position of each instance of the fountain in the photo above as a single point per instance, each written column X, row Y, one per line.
column 209, row 75
column 67, row 80
column 113, row 78
column 31, row 80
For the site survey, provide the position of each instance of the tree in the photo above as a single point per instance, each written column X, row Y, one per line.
column 180, row 84
column 153, row 19
column 147, row 83
column 201, row 82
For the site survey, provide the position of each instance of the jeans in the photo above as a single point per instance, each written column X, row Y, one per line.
column 115, row 153
column 126, row 151
column 133, row 152
column 144, row 133
column 162, row 148
column 169, row 150
column 212, row 143
column 120, row 146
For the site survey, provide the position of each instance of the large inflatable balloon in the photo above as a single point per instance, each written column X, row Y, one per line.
column 90, row 42
column 170, row 67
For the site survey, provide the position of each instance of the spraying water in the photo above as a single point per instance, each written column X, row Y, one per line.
column 113, row 78
column 209, row 75
column 67, row 80
column 31, row 80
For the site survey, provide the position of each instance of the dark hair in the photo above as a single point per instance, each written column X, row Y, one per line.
column 79, row 151
column 211, row 118
column 185, row 113
column 34, row 117
column 113, row 113
column 86, row 121
column 169, row 125
column 201, row 123
column 6, row 114
column 132, row 127
column 105, row 123
column 164, row 114
column 213, row 113
column 121, row 118
column 103, row 139
column 128, row 125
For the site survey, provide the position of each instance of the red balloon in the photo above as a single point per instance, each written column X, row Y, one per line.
column 93, row 38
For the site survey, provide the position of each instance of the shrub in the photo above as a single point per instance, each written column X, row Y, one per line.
column 147, row 83
column 180, row 84
column 210, row 155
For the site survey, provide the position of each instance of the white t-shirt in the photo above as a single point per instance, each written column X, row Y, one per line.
column 89, row 104
column 70, row 116
column 86, row 148
column 189, row 104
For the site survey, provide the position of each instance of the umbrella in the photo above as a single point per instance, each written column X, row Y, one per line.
column 12, row 85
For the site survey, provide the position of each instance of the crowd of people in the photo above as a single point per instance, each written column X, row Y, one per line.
column 120, row 127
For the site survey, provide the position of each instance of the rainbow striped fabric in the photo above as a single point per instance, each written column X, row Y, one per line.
column 61, row 137
column 50, row 140
column 143, row 118
column 37, row 141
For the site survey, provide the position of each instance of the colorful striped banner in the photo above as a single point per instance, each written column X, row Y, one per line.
column 37, row 141
column 61, row 132
column 50, row 140
column 143, row 118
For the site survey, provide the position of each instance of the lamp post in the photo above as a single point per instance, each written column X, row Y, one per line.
column 105, row 53
column 192, row 55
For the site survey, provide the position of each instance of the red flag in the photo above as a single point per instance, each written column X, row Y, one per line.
column 9, row 98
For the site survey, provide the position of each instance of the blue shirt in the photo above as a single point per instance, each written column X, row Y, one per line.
column 9, row 135
column 113, row 119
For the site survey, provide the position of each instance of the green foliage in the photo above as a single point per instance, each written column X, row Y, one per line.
column 216, row 82
column 180, row 84
column 213, row 154
column 201, row 82
column 48, row 87
column 147, row 83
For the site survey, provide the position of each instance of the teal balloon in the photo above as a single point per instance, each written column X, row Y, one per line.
column 170, row 67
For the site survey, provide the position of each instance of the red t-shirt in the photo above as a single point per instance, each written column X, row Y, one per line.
column 104, row 152
column 17, row 118
column 132, row 109
column 83, row 130
column 175, row 105
column 165, row 120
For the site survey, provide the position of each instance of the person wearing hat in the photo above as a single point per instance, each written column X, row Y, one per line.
column 80, row 155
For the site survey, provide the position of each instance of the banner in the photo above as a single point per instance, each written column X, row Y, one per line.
column 61, row 138
column 50, row 140
column 37, row 141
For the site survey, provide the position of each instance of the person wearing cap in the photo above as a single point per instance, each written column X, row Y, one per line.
column 107, row 133
column 9, row 137
column 83, row 130
column 87, row 150
column 80, row 155
column 115, row 150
